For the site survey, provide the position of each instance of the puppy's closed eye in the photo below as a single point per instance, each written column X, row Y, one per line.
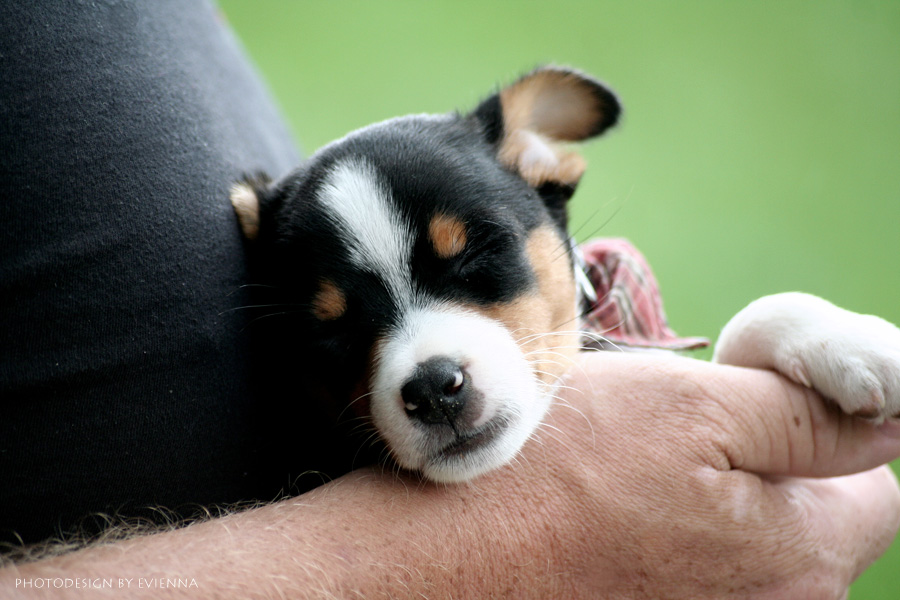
column 412, row 243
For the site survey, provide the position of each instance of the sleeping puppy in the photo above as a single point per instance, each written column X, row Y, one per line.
column 427, row 263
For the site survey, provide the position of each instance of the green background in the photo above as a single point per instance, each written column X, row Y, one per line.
column 759, row 150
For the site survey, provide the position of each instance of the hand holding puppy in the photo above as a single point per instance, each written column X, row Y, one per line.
column 676, row 478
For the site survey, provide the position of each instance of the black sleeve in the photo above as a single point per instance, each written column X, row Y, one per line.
column 124, row 379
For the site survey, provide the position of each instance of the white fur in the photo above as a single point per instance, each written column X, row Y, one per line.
column 850, row 358
column 377, row 234
column 498, row 369
column 380, row 240
column 536, row 151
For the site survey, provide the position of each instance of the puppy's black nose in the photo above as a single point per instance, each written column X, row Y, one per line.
column 437, row 392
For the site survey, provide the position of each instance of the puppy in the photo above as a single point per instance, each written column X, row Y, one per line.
column 427, row 265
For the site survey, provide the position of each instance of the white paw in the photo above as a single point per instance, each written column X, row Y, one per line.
column 849, row 358
column 854, row 360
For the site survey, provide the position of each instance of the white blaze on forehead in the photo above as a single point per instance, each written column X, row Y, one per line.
column 379, row 238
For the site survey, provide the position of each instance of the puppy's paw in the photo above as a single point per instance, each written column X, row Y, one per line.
column 852, row 359
column 855, row 362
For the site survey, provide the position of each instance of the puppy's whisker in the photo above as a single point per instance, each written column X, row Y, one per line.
column 536, row 336
column 352, row 402
column 580, row 316
column 597, row 338
column 360, row 424
column 612, row 216
column 560, row 388
column 515, row 332
column 595, row 231
column 370, row 442
column 555, row 434
column 252, row 306
column 557, row 346
column 251, row 285
column 612, row 327
column 549, row 374
column 550, row 357
column 367, row 436
column 258, row 285
column 269, row 315
column 590, row 218
column 580, row 413
column 551, row 337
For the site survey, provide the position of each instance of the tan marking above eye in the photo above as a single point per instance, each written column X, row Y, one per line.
column 447, row 235
column 329, row 302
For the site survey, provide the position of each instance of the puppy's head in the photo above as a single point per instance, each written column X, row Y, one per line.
column 428, row 261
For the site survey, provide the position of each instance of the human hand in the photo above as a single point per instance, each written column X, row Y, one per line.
column 664, row 477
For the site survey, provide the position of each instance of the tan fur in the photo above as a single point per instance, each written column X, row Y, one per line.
column 246, row 206
column 544, row 320
column 539, row 112
column 539, row 160
column 329, row 302
column 552, row 103
column 448, row 235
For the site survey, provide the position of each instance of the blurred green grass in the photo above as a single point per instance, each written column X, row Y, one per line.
column 759, row 152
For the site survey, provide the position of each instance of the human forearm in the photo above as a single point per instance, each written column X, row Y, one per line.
column 367, row 535
column 634, row 488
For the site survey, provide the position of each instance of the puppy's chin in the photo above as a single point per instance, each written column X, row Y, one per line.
column 505, row 399
column 477, row 454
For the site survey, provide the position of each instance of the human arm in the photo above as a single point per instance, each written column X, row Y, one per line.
column 641, row 484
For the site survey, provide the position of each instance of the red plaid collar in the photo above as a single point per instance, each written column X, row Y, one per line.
column 623, row 300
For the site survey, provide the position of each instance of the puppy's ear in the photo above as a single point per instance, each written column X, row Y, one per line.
column 248, row 197
column 531, row 119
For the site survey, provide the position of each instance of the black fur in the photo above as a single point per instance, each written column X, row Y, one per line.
column 430, row 165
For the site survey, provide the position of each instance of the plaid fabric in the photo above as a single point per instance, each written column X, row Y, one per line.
column 622, row 299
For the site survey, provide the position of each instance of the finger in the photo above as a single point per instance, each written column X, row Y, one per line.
column 774, row 426
column 734, row 417
column 853, row 519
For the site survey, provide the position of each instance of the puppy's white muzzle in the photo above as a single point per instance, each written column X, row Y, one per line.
column 453, row 395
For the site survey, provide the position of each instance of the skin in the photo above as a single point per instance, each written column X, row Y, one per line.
column 654, row 477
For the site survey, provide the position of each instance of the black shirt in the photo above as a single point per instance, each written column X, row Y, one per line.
column 124, row 355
